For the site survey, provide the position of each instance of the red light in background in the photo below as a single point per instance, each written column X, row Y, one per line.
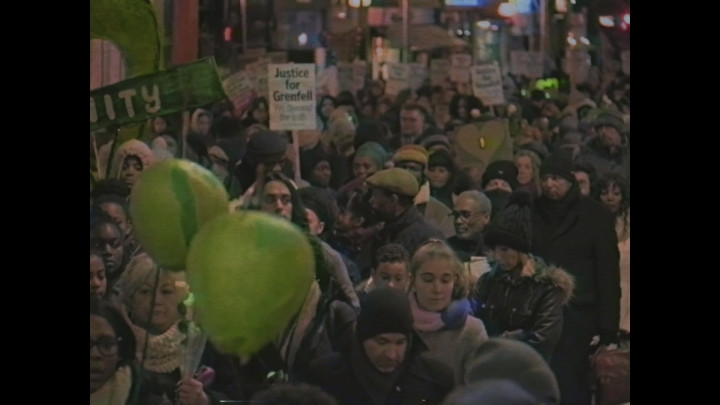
column 227, row 34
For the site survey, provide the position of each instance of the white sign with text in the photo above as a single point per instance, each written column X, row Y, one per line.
column 292, row 96
column 487, row 84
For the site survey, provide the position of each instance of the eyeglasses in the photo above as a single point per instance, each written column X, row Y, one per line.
column 107, row 346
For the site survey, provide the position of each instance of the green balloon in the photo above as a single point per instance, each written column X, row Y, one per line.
column 169, row 203
column 250, row 273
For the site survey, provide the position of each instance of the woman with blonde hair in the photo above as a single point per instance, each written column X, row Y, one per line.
column 521, row 297
column 152, row 300
column 441, row 311
column 528, row 165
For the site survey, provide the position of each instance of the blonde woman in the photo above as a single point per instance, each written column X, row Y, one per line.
column 152, row 301
column 521, row 297
column 441, row 311
column 528, row 165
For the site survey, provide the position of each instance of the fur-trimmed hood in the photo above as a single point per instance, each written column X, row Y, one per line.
column 132, row 147
column 556, row 275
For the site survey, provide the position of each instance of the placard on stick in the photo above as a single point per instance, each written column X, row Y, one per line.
column 292, row 96
column 487, row 84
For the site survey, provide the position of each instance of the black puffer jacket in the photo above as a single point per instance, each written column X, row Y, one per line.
column 526, row 308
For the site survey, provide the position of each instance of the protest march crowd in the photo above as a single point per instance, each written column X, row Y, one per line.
column 465, row 254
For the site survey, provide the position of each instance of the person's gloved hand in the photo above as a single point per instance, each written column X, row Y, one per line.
column 190, row 392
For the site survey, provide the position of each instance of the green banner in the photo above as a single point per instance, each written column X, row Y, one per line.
column 177, row 89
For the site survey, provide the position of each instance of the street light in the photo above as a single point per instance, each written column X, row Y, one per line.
column 507, row 9
column 606, row 21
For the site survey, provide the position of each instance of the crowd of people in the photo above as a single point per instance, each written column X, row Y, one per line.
column 438, row 281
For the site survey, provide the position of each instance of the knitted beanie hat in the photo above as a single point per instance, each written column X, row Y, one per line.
column 374, row 151
column 558, row 164
column 441, row 157
column 503, row 170
column 516, row 361
column 384, row 310
column 513, row 227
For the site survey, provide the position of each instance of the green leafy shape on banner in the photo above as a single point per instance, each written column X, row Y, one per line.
column 132, row 26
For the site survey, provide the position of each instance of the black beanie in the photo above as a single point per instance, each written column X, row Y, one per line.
column 558, row 164
column 501, row 169
column 513, row 227
column 441, row 157
column 384, row 310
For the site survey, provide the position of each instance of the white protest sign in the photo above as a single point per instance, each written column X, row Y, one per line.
column 439, row 69
column 397, row 78
column 292, row 96
column 487, row 84
column 240, row 90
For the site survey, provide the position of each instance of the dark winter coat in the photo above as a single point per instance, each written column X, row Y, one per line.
column 578, row 234
column 353, row 380
column 410, row 230
column 526, row 308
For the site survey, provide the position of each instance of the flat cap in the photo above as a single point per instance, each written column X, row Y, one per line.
column 395, row 180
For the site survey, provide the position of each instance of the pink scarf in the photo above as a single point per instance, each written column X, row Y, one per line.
column 424, row 321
